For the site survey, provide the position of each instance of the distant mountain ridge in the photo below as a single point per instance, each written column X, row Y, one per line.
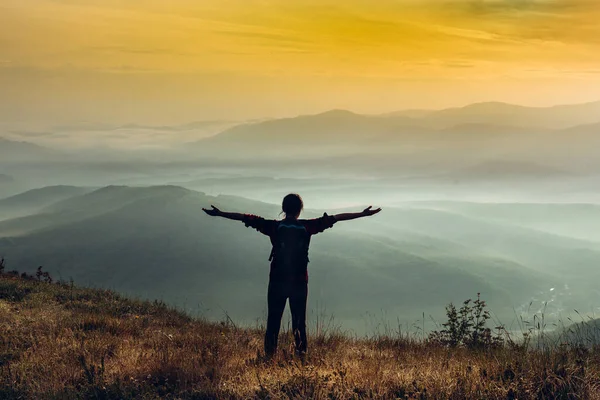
column 12, row 150
column 8, row 185
column 325, row 127
column 475, row 133
column 555, row 117
column 6, row 178
column 343, row 124
column 173, row 128
column 569, row 114
column 34, row 200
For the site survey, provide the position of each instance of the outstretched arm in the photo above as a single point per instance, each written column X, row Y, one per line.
column 264, row 226
column 367, row 212
column 215, row 212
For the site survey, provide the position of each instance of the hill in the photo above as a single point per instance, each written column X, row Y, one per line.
column 8, row 185
column 472, row 131
column 582, row 137
column 64, row 341
column 498, row 113
column 20, row 151
column 155, row 242
column 34, row 200
column 585, row 333
column 6, row 179
column 160, row 236
column 475, row 133
column 325, row 134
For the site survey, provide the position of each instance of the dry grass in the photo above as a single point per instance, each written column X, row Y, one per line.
column 60, row 341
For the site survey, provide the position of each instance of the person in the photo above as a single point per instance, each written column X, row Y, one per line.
column 288, row 277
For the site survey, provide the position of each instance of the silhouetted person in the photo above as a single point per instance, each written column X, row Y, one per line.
column 288, row 278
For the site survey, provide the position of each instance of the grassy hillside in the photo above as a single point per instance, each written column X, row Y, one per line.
column 61, row 341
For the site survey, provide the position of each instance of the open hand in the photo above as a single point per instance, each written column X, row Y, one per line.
column 368, row 211
column 214, row 212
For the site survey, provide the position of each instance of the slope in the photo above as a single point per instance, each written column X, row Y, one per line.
column 65, row 341
column 34, row 200
column 156, row 242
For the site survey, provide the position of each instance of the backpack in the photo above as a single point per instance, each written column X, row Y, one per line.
column 290, row 250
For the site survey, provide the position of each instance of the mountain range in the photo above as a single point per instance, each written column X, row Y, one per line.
column 9, row 185
column 156, row 242
column 22, row 151
column 34, row 200
column 498, row 113
column 478, row 132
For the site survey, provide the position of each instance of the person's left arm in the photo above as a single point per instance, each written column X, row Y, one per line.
column 318, row 225
column 367, row 212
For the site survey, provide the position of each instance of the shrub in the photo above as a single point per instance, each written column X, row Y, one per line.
column 467, row 327
column 43, row 274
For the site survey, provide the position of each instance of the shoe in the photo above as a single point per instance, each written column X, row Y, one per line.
column 302, row 356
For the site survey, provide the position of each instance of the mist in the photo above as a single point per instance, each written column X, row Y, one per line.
column 491, row 198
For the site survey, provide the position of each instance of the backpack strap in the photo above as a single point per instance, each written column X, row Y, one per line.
column 272, row 254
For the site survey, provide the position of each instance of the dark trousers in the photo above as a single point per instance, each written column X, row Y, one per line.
column 277, row 296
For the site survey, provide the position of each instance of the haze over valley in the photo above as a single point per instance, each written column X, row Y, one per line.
column 491, row 198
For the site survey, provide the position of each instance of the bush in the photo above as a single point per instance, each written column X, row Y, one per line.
column 467, row 327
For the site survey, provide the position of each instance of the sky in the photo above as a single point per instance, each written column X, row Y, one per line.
column 176, row 61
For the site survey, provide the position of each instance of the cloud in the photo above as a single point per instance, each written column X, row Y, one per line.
column 215, row 55
column 270, row 37
column 516, row 6
column 134, row 50
column 300, row 36
column 458, row 64
column 29, row 135
column 32, row 134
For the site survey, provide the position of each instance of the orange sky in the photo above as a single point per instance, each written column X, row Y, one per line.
column 182, row 60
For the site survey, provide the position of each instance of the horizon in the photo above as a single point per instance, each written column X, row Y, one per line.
column 259, row 119
column 136, row 136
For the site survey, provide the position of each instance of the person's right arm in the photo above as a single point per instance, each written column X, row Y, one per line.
column 264, row 226
column 215, row 212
